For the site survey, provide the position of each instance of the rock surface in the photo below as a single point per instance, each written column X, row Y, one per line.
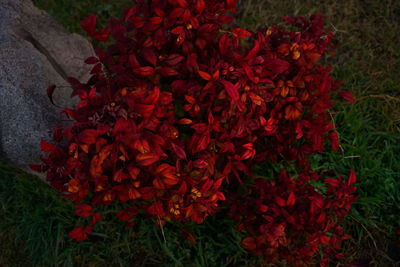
column 35, row 52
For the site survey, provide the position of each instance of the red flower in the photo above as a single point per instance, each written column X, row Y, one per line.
column 349, row 96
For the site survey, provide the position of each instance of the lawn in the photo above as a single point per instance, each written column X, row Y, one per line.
column 35, row 221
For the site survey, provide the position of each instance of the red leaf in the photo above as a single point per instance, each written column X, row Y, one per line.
column 278, row 231
column 352, row 178
column 133, row 172
column 249, row 72
column 224, row 43
column 150, row 56
column 280, row 201
column 144, row 71
column 332, row 182
column 124, row 216
column 79, row 234
column 202, row 143
column 37, row 167
column 324, row 239
column 189, row 236
column 184, row 121
column 293, row 112
column 215, row 75
column 92, row 93
column 133, row 193
column 291, row 199
column 186, row 15
column 249, row 243
column 101, row 35
column 88, row 136
column 277, row 65
column 119, row 175
column 176, row 13
column 206, row 186
column 191, row 63
column 200, row 6
column 159, row 12
column 348, row 96
column 334, row 138
column 170, row 179
column 95, row 166
column 241, row 33
column 177, row 30
column 153, row 96
column 231, row 89
column 105, row 152
column 46, row 147
column 96, row 217
column 262, row 208
column 137, row 22
column 200, row 163
column 129, row 12
column 190, row 99
column 182, row 3
column 253, row 51
column 156, row 20
column 204, row 75
column 158, row 184
column 155, row 209
column 98, row 68
column 256, row 99
column 141, row 145
column 145, row 110
column 321, row 218
column 326, row 83
column 89, row 23
column 231, row 3
column 83, row 210
column 133, row 61
column 200, row 128
column 218, row 183
column 174, row 59
column 70, row 112
column 313, row 57
column 189, row 211
column 316, row 204
column 91, row 60
column 122, row 125
column 73, row 81
column 147, row 159
column 167, row 72
column 179, row 151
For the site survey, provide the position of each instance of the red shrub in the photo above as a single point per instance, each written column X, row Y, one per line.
column 182, row 101
column 289, row 219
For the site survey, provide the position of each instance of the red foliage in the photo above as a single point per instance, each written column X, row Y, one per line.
column 289, row 219
column 181, row 107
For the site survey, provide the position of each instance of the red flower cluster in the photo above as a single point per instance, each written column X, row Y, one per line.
column 182, row 103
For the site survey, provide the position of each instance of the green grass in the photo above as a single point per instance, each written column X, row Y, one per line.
column 35, row 223
column 35, row 220
column 71, row 12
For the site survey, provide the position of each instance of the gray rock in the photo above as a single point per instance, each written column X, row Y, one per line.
column 35, row 52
